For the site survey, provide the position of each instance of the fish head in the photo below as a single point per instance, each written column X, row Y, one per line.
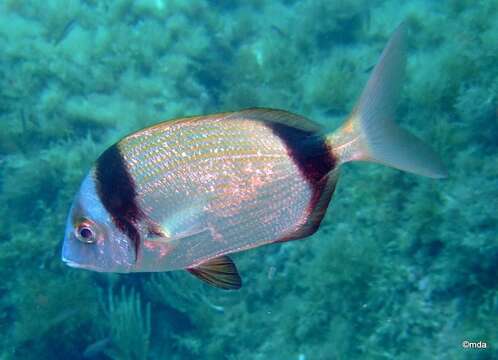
column 92, row 241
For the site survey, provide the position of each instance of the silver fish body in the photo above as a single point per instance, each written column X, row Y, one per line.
column 213, row 185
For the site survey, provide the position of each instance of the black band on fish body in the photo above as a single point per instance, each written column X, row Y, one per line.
column 309, row 151
column 316, row 162
column 116, row 190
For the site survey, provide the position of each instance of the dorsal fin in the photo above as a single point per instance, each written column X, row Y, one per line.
column 279, row 117
column 220, row 272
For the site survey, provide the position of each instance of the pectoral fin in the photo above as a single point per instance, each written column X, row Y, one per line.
column 220, row 272
column 159, row 234
column 183, row 223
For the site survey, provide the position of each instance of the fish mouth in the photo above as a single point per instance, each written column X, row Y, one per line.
column 71, row 263
column 76, row 265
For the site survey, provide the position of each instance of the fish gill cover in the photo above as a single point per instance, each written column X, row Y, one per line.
column 403, row 267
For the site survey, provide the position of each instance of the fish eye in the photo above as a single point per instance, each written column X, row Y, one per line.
column 85, row 232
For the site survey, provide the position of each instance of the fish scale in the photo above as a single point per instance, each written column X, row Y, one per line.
column 248, row 199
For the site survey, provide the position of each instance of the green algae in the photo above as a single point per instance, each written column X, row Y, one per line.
column 402, row 267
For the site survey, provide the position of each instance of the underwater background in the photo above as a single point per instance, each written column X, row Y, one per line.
column 403, row 267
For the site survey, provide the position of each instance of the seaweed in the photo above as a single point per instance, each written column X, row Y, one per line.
column 127, row 325
column 401, row 267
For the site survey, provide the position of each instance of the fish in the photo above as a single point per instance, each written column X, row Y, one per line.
column 97, row 348
column 65, row 31
column 184, row 194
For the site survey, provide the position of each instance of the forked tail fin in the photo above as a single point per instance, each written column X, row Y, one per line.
column 370, row 134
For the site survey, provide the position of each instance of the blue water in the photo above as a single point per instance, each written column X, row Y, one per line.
column 403, row 267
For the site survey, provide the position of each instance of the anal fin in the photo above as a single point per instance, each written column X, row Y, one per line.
column 220, row 272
